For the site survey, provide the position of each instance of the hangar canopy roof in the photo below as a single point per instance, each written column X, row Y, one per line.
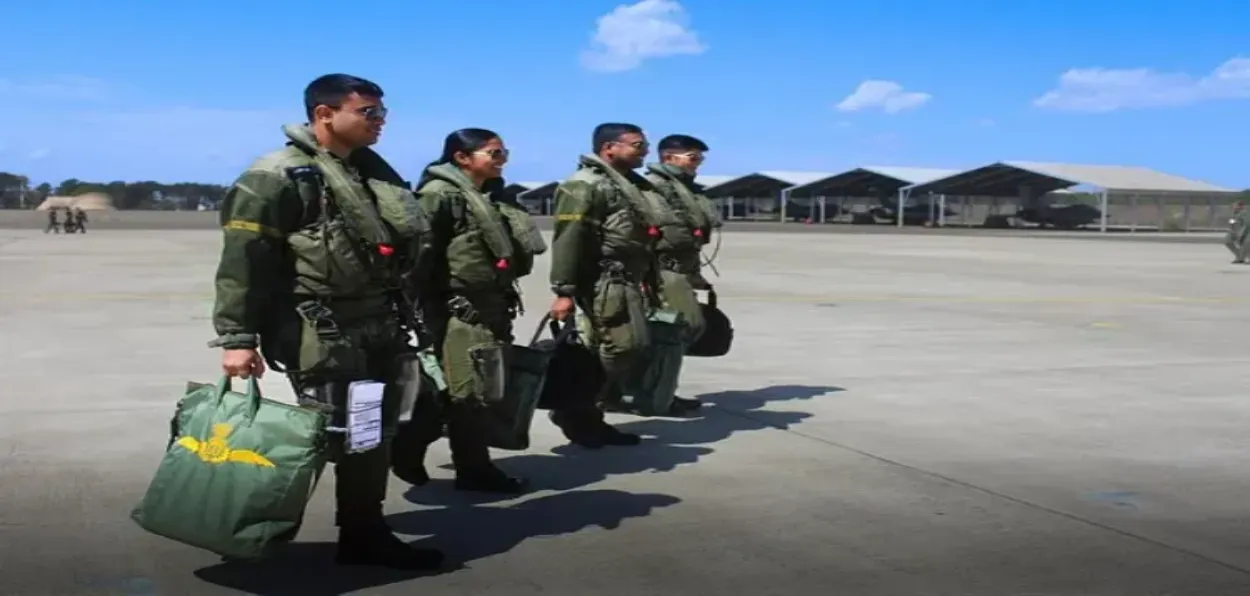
column 868, row 181
column 1005, row 178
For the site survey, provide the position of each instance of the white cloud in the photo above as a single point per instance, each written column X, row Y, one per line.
column 1110, row 89
column 888, row 96
column 632, row 33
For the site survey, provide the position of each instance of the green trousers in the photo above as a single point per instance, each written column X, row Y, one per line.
column 1236, row 242
column 473, row 355
column 616, row 327
column 368, row 347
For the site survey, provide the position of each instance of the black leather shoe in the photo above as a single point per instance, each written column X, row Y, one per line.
column 614, row 436
column 618, row 407
column 377, row 546
column 682, row 405
column 582, row 434
column 488, row 479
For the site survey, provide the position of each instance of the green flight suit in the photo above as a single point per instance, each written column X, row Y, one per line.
column 312, row 249
column 1238, row 233
column 679, row 252
column 602, row 256
column 481, row 247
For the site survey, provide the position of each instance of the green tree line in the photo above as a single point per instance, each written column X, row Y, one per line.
column 17, row 192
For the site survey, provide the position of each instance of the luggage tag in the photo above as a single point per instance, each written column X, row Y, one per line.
column 364, row 416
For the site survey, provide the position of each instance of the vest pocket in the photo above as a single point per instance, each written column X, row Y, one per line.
column 327, row 262
column 525, row 231
column 400, row 208
column 469, row 261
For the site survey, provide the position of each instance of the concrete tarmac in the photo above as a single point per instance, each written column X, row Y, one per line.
column 901, row 415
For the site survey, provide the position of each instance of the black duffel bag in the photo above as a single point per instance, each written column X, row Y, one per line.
column 718, row 331
column 574, row 372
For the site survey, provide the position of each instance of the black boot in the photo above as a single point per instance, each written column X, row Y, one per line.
column 374, row 544
column 611, row 393
column 578, row 427
column 610, row 435
column 364, row 538
column 408, row 455
column 413, row 439
column 470, row 453
column 682, row 406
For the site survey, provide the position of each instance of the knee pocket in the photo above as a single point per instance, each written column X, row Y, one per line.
column 474, row 362
column 620, row 318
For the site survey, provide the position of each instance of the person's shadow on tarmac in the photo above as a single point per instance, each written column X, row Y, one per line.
column 465, row 532
column 668, row 444
column 467, row 528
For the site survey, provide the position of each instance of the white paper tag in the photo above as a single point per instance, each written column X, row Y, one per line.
column 364, row 415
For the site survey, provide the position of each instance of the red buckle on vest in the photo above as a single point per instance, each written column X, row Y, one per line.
column 386, row 250
column 501, row 264
column 698, row 233
column 653, row 232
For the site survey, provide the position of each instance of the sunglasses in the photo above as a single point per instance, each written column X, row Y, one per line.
column 635, row 144
column 373, row 112
column 493, row 153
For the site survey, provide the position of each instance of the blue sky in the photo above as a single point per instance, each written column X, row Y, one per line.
column 137, row 89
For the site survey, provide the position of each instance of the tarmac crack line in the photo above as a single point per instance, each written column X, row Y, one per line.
column 991, row 492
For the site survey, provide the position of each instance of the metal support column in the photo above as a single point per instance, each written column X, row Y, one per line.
column 904, row 194
column 1102, row 220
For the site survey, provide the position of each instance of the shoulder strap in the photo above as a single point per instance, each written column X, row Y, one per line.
column 484, row 213
column 690, row 203
column 349, row 196
column 650, row 210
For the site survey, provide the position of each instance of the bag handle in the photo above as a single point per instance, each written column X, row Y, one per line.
column 253, row 393
column 560, row 334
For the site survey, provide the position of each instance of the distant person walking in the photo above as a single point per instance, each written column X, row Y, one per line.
column 53, row 224
column 1238, row 230
column 80, row 219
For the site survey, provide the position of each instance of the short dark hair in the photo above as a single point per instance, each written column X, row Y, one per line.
column 332, row 89
column 681, row 143
column 611, row 131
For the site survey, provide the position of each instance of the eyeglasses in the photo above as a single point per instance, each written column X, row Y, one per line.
column 635, row 144
column 692, row 155
column 493, row 153
column 373, row 112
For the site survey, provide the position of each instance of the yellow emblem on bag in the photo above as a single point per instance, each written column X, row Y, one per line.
column 217, row 451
